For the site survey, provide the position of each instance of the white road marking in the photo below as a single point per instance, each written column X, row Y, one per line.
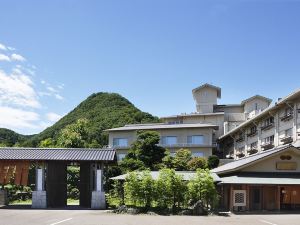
column 62, row 221
column 267, row 222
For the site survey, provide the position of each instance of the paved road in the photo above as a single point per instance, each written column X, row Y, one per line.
column 93, row 217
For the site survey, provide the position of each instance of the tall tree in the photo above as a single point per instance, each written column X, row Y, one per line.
column 144, row 152
column 74, row 135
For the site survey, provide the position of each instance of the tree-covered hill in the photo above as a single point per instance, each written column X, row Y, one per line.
column 10, row 138
column 103, row 111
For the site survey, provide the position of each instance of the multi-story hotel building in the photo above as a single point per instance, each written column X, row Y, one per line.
column 260, row 141
column 197, row 131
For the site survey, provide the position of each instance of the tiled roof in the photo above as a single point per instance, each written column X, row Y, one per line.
column 237, row 164
column 163, row 126
column 211, row 86
column 57, row 154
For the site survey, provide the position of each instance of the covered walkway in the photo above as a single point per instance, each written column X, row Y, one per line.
column 51, row 174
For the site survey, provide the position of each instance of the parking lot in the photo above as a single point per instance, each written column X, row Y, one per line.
column 26, row 216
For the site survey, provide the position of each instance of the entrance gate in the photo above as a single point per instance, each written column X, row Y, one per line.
column 51, row 174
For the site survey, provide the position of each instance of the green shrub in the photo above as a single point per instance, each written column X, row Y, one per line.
column 202, row 188
column 197, row 163
column 170, row 189
column 213, row 161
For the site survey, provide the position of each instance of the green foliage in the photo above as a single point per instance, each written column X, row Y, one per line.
column 139, row 189
column 9, row 138
column 73, row 173
column 74, row 135
column 197, row 163
column 47, row 143
column 171, row 189
column 108, row 173
column 115, row 196
column 181, row 159
column 213, row 161
column 144, row 153
column 202, row 189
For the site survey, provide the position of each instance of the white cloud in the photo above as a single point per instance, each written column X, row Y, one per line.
column 52, row 89
column 53, row 117
column 17, row 57
column 3, row 47
column 11, row 48
column 4, row 58
column 12, row 118
column 59, row 97
column 17, row 89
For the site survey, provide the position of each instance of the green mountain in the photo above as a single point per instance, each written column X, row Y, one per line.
column 102, row 110
column 10, row 138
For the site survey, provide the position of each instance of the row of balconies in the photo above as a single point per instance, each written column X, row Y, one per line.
column 264, row 146
column 175, row 145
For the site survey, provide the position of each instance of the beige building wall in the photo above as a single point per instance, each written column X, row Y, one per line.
column 279, row 130
column 269, row 164
column 205, row 99
column 182, row 142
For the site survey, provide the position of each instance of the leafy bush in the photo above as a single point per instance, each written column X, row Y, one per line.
column 213, row 161
column 139, row 189
column 168, row 192
column 202, row 189
column 197, row 163
column 170, row 189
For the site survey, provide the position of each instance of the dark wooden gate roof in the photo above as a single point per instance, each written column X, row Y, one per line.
column 57, row 154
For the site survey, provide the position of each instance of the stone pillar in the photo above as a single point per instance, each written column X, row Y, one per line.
column 39, row 196
column 3, row 197
column 98, row 195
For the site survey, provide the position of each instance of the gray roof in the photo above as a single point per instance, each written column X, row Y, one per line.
column 187, row 175
column 194, row 115
column 240, row 163
column 259, row 180
column 211, row 86
column 254, row 97
column 160, row 126
column 264, row 113
column 57, row 154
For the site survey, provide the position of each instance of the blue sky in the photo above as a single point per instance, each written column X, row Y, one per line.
column 54, row 54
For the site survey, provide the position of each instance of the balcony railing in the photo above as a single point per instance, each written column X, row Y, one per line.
column 267, row 145
column 240, row 139
column 183, row 145
column 240, row 154
column 287, row 117
column 267, row 126
column 286, row 139
column 252, row 150
column 252, row 133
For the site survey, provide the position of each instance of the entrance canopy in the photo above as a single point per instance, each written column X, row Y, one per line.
column 57, row 154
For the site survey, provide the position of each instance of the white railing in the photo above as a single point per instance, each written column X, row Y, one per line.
column 186, row 145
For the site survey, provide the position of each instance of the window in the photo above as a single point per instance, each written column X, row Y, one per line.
column 121, row 156
column 288, row 111
column 269, row 140
column 195, row 139
column 120, row 142
column 197, row 154
column 288, row 132
column 175, row 122
column 253, row 130
column 241, row 149
column 256, row 106
column 169, row 140
column 269, row 121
